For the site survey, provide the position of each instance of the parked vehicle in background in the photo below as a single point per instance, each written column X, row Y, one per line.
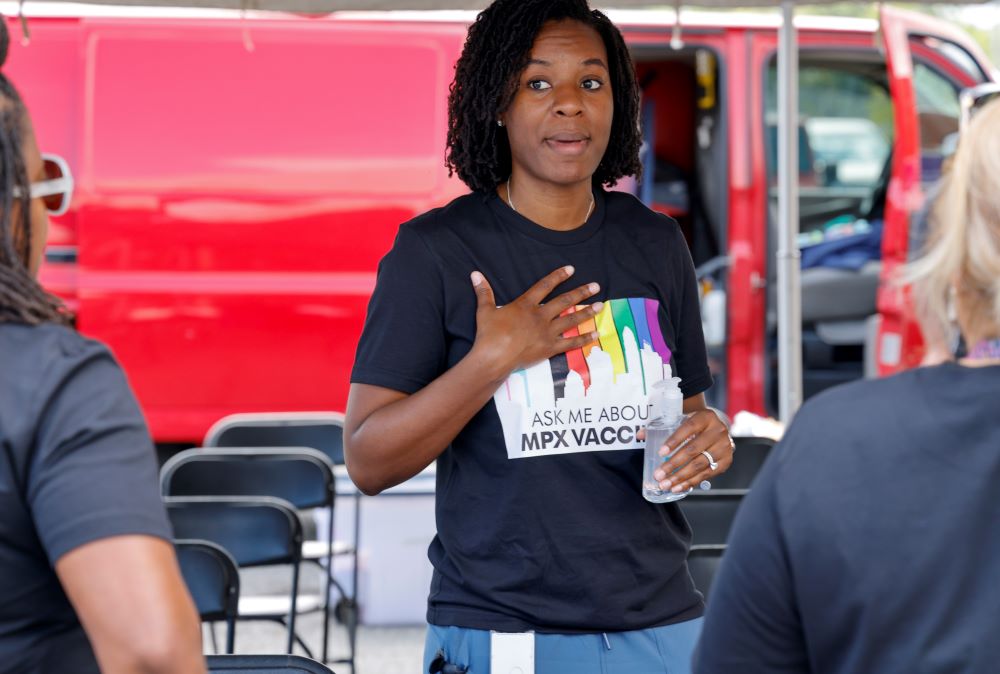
column 233, row 202
column 848, row 150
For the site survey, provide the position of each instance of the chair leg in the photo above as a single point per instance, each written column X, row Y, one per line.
column 300, row 642
column 352, row 627
column 352, row 636
column 215, row 642
column 346, row 613
column 326, row 624
column 292, row 607
column 296, row 639
column 328, row 584
column 357, row 545
column 230, row 635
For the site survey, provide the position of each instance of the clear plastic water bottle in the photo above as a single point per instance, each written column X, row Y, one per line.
column 666, row 412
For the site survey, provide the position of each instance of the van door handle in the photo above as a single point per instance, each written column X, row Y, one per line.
column 60, row 254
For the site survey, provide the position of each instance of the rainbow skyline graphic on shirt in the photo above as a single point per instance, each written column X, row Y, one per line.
column 590, row 399
column 630, row 353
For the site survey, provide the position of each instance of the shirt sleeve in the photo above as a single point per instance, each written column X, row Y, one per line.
column 403, row 346
column 691, row 357
column 93, row 473
column 752, row 625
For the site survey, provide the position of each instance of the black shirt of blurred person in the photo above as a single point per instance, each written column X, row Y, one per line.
column 868, row 542
column 76, row 465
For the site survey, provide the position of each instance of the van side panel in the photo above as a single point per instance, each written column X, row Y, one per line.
column 238, row 216
column 47, row 73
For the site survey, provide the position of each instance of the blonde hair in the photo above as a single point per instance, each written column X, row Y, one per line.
column 963, row 251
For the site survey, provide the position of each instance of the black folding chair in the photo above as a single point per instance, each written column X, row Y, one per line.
column 711, row 514
column 323, row 431
column 214, row 583
column 703, row 563
column 256, row 531
column 301, row 476
column 748, row 457
column 264, row 664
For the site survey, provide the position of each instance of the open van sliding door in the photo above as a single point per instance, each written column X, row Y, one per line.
column 924, row 57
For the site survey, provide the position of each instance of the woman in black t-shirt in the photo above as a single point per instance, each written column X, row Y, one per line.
column 507, row 382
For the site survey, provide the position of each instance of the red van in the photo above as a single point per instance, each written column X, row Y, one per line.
column 238, row 179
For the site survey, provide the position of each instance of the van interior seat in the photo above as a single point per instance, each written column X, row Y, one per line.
column 839, row 294
column 828, row 294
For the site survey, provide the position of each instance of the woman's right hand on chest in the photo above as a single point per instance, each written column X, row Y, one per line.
column 526, row 331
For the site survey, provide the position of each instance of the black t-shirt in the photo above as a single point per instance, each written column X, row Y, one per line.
column 76, row 465
column 869, row 541
column 540, row 520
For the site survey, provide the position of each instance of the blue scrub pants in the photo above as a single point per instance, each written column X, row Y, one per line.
column 658, row 650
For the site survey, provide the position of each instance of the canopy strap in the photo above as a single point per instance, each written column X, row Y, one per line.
column 25, row 33
column 245, row 25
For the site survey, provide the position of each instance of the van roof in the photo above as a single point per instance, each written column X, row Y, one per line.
column 654, row 17
column 623, row 17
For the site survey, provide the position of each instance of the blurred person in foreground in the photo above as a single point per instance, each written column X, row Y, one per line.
column 869, row 542
column 88, row 574
column 482, row 326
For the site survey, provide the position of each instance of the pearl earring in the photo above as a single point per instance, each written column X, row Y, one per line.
column 499, row 122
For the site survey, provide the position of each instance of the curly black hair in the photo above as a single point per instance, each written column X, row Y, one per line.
column 486, row 78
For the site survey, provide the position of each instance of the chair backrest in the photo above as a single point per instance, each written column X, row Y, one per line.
column 323, row 431
column 711, row 514
column 256, row 531
column 703, row 563
column 265, row 664
column 748, row 457
column 211, row 577
column 301, row 476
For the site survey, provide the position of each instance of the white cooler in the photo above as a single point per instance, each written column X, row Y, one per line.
column 394, row 574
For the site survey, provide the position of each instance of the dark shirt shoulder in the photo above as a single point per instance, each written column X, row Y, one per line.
column 79, row 466
column 866, row 528
column 844, row 422
column 459, row 216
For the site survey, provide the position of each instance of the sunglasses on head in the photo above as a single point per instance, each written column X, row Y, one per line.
column 974, row 99
column 56, row 189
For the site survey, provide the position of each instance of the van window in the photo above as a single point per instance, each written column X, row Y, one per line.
column 965, row 69
column 309, row 110
column 845, row 136
column 940, row 70
column 938, row 112
column 934, row 92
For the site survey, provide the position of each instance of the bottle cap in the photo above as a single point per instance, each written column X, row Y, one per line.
column 664, row 397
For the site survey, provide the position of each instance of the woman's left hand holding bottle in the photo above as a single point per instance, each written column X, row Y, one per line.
column 702, row 433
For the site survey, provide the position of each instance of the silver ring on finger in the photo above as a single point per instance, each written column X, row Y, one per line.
column 712, row 463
